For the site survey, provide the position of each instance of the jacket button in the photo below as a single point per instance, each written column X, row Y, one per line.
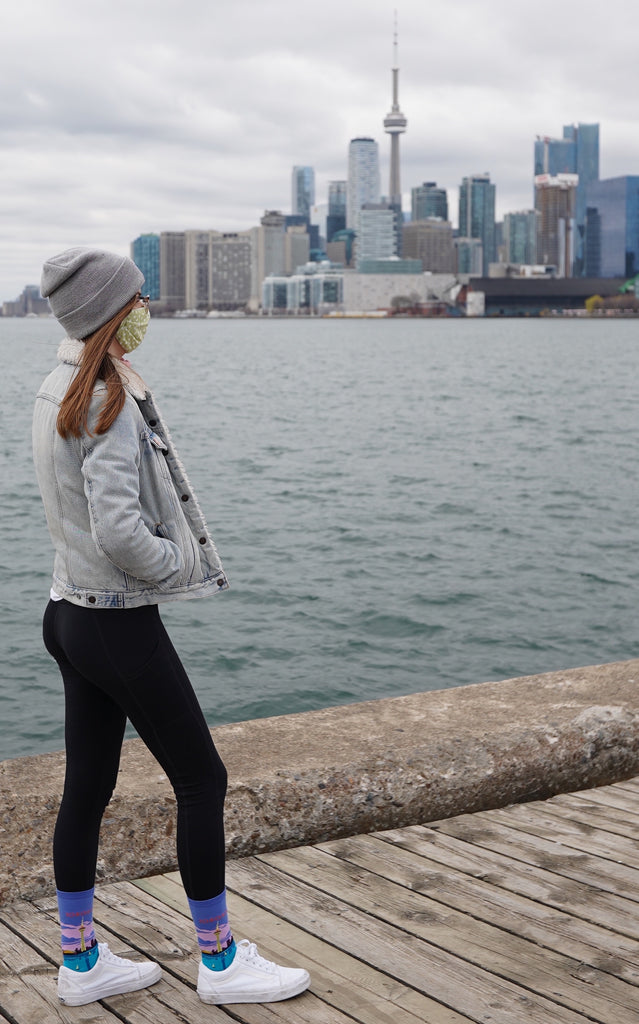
column 153, row 423
column 91, row 599
column 202, row 540
column 185, row 497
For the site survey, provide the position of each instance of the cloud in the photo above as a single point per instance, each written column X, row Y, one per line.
column 117, row 119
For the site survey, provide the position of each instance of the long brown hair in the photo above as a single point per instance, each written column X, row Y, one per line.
column 95, row 364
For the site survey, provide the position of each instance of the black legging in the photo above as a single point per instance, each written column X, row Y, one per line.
column 118, row 664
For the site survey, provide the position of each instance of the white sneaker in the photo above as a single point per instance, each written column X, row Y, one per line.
column 109, row 976
column 250, row 979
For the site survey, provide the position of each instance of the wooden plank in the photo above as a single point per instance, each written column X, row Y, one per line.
column 526, row 847
column 546, row 972
column 131, row 910
column 448, row 979
column 559, row 931
column 535, row 819
column 584, row 901
column 604, row 818
column 162, row 1003
column 339, row 979
column 28, row 986
column 611, row 797
column 629, row 784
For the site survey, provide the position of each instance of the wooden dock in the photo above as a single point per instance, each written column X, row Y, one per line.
column 524, row 915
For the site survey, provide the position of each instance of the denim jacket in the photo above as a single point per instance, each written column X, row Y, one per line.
column 125, row 524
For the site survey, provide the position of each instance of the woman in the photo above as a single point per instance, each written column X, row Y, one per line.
column 128, row 534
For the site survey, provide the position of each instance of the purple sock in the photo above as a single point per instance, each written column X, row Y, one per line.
column 79, row 946
column 214, row 937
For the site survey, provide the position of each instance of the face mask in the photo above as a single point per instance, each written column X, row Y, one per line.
column 132, row 330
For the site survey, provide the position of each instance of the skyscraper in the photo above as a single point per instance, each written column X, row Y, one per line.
column 172, row 269
column 477, row 215
column 520, row 236
column 576, row 153
column 303, row 191
column 196, row 269
column 336, row 218
column 145, row 253
column 429, row 201
column 431, row 241
column 363, row 177
column 230, row 263
column 376, row 235
column 612, row 227
column 395, row 123
column 555, row 201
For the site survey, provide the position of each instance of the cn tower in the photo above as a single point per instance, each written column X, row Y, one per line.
column 395, row 123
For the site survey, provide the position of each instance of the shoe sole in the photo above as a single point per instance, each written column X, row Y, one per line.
column 235, row 999
column 81, row 999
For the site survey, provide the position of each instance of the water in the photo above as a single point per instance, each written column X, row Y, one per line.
column 401, row 506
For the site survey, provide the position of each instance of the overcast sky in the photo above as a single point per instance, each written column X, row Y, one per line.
column 125, row 117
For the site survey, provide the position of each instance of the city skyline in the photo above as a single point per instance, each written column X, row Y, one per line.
column 165, row 130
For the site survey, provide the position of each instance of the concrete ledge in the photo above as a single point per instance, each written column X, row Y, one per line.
column 383, row 764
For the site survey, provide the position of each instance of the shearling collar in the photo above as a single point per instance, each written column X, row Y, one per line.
column 70, row 351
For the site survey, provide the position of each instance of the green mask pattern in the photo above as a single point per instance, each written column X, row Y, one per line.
column 131, row 331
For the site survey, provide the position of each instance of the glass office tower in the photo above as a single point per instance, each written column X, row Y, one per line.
column 612, row 227
column 477, row 215
column 428, row 201
column 145, row 253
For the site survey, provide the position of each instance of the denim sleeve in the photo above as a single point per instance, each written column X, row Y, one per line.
column 110, row 469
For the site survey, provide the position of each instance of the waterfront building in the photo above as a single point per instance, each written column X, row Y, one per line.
column 196, row 270
column 28, row 303
column 368, row 292
column 520, row 237
column 230, row 270
column 336, row 217
column 477, row 214
column 612, row 227
column 303, row 191
column 217, row 270
column 315, row 288
column 172, row 269
column 269, row 250
column 469, row 256
column 376, row 232
column 555, row 201
column 363, row 178
column 577, row 152
column 427, row 201
column 145, row 253
column 430, row 241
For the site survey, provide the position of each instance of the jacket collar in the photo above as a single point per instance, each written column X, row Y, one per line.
column 70, row 351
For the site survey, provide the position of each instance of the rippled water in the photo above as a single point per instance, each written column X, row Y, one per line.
column 400, row 506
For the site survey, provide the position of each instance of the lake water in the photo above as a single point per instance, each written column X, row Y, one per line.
column 400, row 506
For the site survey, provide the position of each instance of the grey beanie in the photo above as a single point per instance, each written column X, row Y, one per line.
column 86, row 287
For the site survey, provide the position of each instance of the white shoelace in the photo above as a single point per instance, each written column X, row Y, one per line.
column 111, row 958
column 250, row 954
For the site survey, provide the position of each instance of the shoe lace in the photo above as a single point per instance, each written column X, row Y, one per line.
column 110, row 958
column 248, row 951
